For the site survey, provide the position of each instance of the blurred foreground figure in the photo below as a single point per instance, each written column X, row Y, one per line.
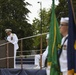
column 44, row 56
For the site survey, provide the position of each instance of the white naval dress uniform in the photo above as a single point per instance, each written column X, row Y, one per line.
column 44, row 56
column 63, row 57
column 12, row 38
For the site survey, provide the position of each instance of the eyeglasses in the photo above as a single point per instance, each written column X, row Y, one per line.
column 63, row 25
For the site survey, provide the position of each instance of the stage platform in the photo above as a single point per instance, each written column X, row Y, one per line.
column 22, row 72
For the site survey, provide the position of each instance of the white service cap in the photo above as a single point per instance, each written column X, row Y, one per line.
column 8, row 30
column 64, row 19
column 47, row 36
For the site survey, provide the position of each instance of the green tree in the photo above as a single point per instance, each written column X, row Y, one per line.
column 37, row 27
column 13, row 14
column 61, row 9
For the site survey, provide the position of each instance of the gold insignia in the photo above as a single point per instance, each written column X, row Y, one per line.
column 75, row 45
column 59, row 46
column 49, row 63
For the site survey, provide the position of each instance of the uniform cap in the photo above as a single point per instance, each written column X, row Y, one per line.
column 66, row 19
column 8, row 30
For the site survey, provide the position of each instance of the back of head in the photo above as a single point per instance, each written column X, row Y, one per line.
column 47, row 36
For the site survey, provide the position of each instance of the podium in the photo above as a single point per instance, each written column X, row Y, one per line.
column 6, row 54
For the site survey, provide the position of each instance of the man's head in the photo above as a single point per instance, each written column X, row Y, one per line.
column 8, row 31
column 64, row 26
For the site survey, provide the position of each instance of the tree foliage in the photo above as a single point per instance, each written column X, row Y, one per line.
column 13, row 14
column 37, row 27
column 62, row 9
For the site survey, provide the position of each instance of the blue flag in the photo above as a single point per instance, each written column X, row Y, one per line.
column 71, row 52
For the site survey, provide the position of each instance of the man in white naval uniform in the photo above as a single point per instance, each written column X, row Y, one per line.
column 44, row 56
column 63, row 56
column 12, row 38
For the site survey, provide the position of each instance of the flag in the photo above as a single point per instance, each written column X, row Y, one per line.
column 54, row 43
column 71, row 52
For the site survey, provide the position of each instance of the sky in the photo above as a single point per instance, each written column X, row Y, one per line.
column 35, row 8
